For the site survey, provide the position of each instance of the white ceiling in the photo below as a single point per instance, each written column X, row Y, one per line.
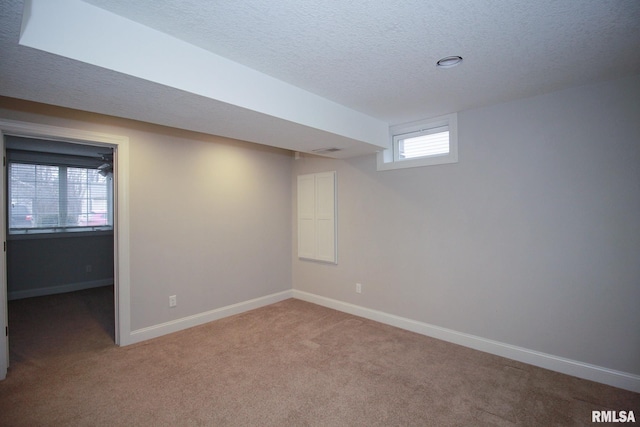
column 332, row 74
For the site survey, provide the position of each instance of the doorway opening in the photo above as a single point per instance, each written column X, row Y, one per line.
column 94, row 221
column 60, row 245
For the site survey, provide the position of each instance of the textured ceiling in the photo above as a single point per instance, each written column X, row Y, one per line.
column 377, row 58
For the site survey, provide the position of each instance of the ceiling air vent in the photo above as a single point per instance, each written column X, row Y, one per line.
column 326, row 150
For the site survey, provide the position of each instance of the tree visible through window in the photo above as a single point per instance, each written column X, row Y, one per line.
column 58, row 198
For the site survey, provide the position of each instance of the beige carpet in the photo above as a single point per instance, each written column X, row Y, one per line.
column 288, row 364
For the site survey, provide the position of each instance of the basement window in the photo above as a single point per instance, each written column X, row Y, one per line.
column 422, row 143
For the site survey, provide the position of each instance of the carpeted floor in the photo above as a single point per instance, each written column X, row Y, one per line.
column 288, row 364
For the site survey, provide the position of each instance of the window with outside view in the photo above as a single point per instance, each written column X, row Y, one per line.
column 46, row 198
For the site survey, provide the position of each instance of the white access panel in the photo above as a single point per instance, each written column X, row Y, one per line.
column 317, row 217
column 325, row 216
column 306, row 216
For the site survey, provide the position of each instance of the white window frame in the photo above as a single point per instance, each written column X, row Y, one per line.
column 389, row 159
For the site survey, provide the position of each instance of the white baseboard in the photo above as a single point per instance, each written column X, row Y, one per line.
column 208, row 316
column 60, row 289
column 574, row 368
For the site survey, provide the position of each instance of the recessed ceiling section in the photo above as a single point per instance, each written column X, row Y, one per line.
column 289, row 117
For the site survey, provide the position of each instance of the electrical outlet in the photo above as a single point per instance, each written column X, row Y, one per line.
column 173, row 301
column 88, row 268
column 358, row 288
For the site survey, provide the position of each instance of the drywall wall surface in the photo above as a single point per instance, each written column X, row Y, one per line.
column 532, row 239
column 210, row 217
column 210, row 223
column 47, row 265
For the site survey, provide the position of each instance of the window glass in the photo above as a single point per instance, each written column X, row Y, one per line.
column 421, row 143
column 47, row 198
column 434, row 142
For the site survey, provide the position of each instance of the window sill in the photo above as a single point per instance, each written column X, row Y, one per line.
column 40, row 235
column 414, row 163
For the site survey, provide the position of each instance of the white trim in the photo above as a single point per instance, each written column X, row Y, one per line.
column 40, row 131
column 122, row 273
column 51, row 290
column 563, row 365
column 122, row 285
column 386, row 159
column 208, row 316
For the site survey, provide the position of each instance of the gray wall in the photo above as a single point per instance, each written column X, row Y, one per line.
column 40, row 266
column 209, row 217
column 532, row 239
column 210, row 223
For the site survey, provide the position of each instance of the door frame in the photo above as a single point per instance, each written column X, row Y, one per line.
column 4, row 315
column 122, row 286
